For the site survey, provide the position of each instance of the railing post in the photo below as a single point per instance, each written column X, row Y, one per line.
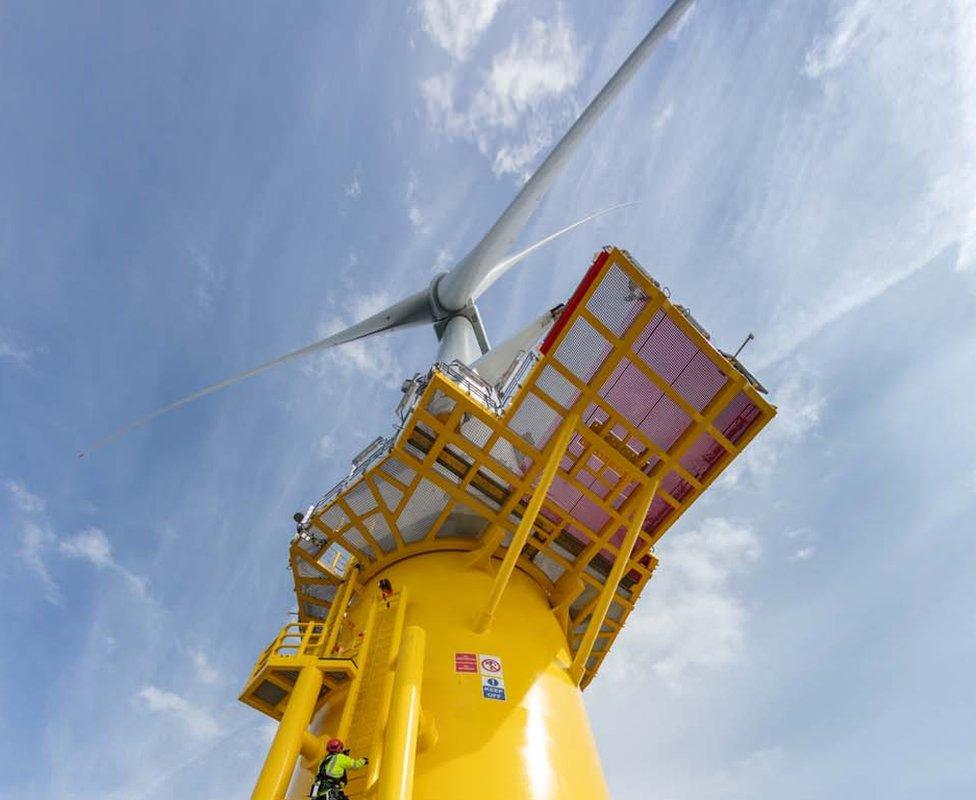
column 287, row 743
column 400, row 739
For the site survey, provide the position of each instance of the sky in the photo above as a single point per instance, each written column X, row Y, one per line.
column 189, row 189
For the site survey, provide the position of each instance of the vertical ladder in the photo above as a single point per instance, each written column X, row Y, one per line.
column 373, row 698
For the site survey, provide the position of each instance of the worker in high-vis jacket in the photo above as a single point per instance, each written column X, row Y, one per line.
column 330, row 780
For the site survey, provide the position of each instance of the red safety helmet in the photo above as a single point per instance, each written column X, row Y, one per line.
column 335, row 746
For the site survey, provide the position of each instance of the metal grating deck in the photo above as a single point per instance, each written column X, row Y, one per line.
column 656, row 400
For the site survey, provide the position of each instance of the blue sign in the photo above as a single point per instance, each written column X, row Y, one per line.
column 492, row 688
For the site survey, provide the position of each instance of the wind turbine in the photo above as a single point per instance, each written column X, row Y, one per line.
column 449, row 302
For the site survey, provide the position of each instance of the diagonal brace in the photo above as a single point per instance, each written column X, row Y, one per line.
column 557, row 450
column 642, row 504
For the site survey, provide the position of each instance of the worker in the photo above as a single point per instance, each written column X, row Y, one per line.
column 331, row 777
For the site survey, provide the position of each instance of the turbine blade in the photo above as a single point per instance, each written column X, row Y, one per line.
column 502, row 267
column 494, row 364
column 411, row 311
column 457, row 287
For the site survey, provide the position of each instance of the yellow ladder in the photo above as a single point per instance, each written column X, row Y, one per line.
column 373, row 697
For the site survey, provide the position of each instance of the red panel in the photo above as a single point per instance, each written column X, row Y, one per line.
column 576, row 299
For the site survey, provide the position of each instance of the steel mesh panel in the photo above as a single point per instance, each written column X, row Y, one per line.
column 700, row 381
column 334, row 517
column 735, row 419
column 306, row 570
column 675, row 485
column 581, row 602
column 534, row 421
column 616, row 301
column 463, row 523
column 552, row 569
column 321, row 591
column 315, row 610
column 631, row 393
column 557, row 387
column 474, row 430
column 390, row 494
column 440, row 405
column 360, row 499
column 664, row 423
column 658, row 513
column 357, row 540
column 583, row 350
column 667, row 350
column 379, row 529
column 509, row 456
column 421, row 511
column 564, row 494
column 399, row 471
column 702, row 454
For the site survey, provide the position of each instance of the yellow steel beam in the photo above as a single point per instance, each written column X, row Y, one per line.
column 287, row 743
column 400, row 738
column 340, row 602
column 641, row 506
column 556, row 452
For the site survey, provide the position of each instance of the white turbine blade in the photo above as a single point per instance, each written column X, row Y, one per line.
column 457, row 287
column 411, row 311
column 493, row 365
column 501, row 268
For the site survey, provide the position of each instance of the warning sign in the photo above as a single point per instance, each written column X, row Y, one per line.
column 490, row 665
column 466, row 662
column 492, row 688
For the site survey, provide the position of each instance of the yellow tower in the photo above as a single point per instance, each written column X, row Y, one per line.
column 513, row 524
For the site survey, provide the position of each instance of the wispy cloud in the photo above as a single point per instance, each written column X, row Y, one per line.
column 697, row 620
column 34, row 541
column 194, row 719
column 23, row 498
column 205, row 670
column 13, row 353
column 93, row 546
column 456, row 25
column 519, row 106
column 353, row 189
column 833, row 50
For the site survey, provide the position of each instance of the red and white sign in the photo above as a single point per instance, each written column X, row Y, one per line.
column 490, row 665
column 466, row 662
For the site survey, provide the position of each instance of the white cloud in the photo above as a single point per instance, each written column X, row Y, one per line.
column 353, row 189
column 24, row 499
column 664, row 117
column 514, row 113
column 11, row 352
column 803, row 554
column 93, row 546
column 833, row 51
column 327, row 446
column 196, row 720
column 800, row 404
column 414, row 213
column 456, row 25
column 206, row 671
column 89, row 545
column 696, row 620
column 34, row 541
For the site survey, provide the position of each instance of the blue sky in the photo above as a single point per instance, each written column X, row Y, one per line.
column 189, row 190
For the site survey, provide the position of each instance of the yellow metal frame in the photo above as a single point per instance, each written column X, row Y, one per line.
column 448, row 448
